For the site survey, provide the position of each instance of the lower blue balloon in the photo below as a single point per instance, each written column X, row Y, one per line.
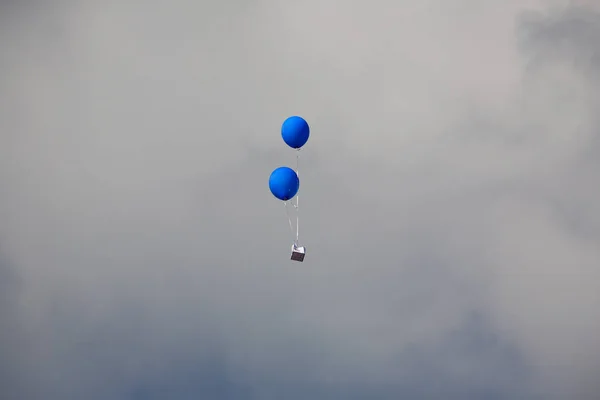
column 284, row 183
column 295, row 132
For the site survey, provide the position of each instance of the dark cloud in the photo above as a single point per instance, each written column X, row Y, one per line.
column 448, row 201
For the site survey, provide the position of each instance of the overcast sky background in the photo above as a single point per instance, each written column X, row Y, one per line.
column 450, row 200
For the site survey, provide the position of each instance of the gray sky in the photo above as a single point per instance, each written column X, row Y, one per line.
column 450, row 200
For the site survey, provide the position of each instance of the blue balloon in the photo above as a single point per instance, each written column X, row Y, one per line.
column 284, row 183
column 295, row 132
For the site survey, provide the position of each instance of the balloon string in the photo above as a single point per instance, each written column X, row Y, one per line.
column 287, row 212
column 297, row 199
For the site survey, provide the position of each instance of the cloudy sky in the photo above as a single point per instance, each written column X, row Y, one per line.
column 450, row 200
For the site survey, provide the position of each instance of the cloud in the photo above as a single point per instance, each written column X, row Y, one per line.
column 448, row 200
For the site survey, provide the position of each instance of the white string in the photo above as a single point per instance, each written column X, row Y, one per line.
column 296, row 207
column 287, row 212
column 297, row 199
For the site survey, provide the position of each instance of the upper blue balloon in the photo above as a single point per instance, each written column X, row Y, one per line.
column 284, row 183
column 295, row 132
